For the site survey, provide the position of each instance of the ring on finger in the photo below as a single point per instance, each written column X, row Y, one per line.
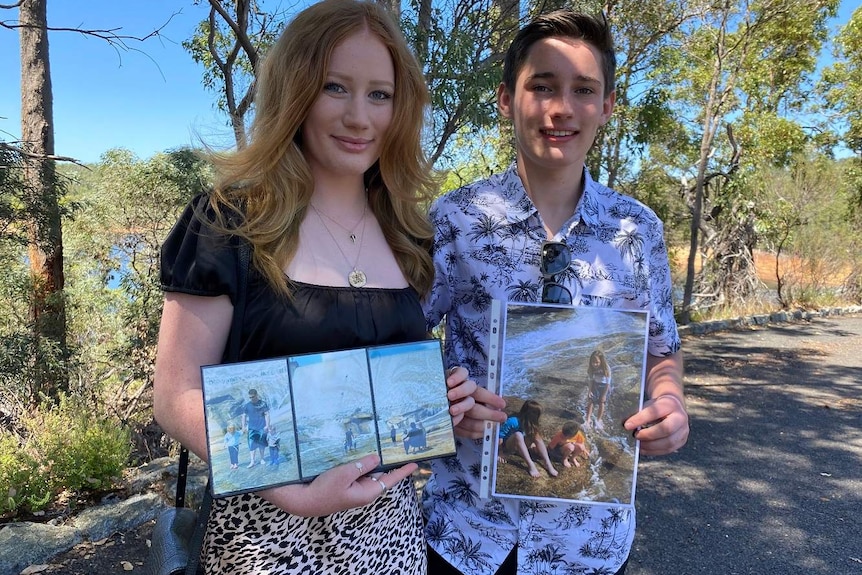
column 383, row 487
column 359, row 466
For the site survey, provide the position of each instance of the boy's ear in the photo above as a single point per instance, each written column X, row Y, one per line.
column 608, row 107
column 504, row 101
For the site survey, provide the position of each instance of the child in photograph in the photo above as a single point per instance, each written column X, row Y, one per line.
column 273, row 440
column 521, row 434
column 599, row 380
column 569, row 443
column 349, row 444
column 232, row 437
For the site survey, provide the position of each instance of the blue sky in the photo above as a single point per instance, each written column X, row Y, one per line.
column 146, row 101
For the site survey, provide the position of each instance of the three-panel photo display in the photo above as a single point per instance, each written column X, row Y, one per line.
column 287, row 420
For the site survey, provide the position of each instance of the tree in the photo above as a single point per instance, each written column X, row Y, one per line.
column 43, row 207
column 127, row 208
column 228, row 44
column 48, row 307
column 842, row 83
column 739, row 56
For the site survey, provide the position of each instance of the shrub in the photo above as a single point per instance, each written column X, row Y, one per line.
column 66, row 448
column 22, row 483
column 78, row 450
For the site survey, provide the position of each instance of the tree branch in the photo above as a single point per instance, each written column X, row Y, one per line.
column 22, row 152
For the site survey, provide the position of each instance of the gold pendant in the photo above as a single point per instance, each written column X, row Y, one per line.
column 357, row 278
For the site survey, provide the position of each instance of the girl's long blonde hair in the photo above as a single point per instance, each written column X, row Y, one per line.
column 270, row 182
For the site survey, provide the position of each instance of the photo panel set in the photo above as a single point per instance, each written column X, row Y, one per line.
column 305, row 414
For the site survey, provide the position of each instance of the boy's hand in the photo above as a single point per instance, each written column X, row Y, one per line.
column 487, row 406
column 661, row 426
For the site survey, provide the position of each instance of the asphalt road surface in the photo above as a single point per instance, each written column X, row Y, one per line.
column 770, row 481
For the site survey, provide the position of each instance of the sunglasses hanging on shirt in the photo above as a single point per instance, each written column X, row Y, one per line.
column 556, row 258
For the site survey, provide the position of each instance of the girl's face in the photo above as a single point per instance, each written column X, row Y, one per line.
column 596, row 361
column 347, row 124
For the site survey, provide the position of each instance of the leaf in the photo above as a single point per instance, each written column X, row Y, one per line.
column 127, row 566
column 35, row 569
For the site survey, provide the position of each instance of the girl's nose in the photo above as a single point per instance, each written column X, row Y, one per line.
column 356, row 115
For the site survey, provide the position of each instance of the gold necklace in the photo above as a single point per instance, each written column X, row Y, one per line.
column 351, row 231
column 356, row 277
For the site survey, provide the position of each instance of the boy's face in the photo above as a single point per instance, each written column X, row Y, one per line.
column 557, row 104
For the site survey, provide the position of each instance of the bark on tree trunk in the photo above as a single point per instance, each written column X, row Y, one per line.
column 48, row 314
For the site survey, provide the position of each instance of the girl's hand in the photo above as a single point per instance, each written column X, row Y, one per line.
column 340, row 488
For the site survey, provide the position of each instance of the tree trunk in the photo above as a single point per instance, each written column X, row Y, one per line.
column 47, row 312
column 394, row 6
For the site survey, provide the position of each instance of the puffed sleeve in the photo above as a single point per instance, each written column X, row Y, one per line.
column 195, row 259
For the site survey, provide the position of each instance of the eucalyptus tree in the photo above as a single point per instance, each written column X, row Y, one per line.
column 229, row 44
column 842, row 84
column 128, row 207
column 736, row 61
column 44, row 210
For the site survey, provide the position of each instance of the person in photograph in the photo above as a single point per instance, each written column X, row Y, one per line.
column 273, row 443
column 522, row 434
column 328, row 194
column 543, row 230
column 232, row 437
column 599, row 382
column 568, row 444
column 255, row 420
column 348, row 440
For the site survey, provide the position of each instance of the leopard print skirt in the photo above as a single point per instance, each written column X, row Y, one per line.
column 249, row 535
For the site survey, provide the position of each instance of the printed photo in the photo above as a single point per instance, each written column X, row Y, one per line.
column 287, row 420
column 334, row 409
column 249, row 426
column 570, row 377
column 413, row 419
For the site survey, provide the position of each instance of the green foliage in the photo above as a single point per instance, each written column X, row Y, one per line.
column 22, row 483
column 76, row 450
column 65, row 449
column 116, row 299
column 842, row 83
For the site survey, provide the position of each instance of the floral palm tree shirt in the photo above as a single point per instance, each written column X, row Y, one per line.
column 487, row 245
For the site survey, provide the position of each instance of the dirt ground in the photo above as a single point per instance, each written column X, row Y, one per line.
column 119, row 553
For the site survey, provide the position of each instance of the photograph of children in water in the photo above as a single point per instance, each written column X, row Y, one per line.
column 570, row 377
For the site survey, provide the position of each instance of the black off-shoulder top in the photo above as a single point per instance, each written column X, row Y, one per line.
column 197, row 261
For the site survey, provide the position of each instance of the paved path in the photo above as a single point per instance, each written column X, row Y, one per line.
column 770, row 482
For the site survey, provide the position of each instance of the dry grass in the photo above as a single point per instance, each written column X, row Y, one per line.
column 806, row 284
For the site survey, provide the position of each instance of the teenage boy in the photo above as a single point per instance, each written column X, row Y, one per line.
column 607, row 250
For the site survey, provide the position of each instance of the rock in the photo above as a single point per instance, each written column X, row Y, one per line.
column 25, row 544
column 102, row 521
column 149, row 488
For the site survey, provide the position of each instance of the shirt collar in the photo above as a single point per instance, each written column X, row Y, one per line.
column 520, row 207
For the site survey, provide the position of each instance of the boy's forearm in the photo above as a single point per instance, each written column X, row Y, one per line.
column 665, row 377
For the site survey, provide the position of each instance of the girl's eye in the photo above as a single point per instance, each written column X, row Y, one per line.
column 334, row 88
column 380, row 95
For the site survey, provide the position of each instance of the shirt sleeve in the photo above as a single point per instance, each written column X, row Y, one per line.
column 439, row 300
column 197, row 260
column 664, row 337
